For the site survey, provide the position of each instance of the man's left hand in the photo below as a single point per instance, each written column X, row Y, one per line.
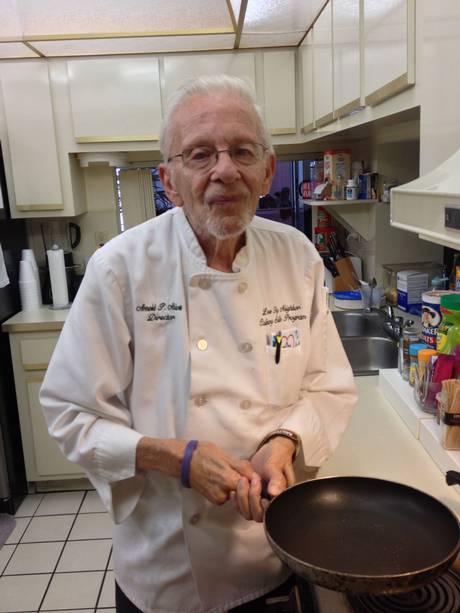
column 273, row 465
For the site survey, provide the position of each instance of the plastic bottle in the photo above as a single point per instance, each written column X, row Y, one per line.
column 409, row 336
column 351, row 192
column 448, row 336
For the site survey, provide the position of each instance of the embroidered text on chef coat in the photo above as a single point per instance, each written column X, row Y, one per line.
column 285, row 313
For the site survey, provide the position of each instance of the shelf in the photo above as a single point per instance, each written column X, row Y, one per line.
column 422, row 425
column 338, row 202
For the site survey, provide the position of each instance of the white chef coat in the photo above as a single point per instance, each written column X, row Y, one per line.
column 159, row 344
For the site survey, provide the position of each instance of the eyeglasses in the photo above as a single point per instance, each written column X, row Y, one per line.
column 204, row 158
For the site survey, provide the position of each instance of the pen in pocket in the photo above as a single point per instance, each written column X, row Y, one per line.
column 278, row 340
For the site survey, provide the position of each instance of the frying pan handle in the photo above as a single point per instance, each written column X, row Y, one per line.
column 453, row 477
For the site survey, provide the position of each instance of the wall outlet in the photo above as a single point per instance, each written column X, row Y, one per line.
column 101, row 237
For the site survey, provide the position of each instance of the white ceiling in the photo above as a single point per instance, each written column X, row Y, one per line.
column 63, row 28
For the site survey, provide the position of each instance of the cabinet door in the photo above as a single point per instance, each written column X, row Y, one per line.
column 306, row 60
column 49, row 461
column 31, row 135
column 181, row 68
column 347, row 64
column 322, row 67
column 279, row 91
column 389, row 48
column 115, row 99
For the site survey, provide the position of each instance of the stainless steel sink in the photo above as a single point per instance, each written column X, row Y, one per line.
column 367, row 345
column 360, row 323
column 368, row 354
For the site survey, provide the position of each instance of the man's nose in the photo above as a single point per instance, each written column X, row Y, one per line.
column 225, row 168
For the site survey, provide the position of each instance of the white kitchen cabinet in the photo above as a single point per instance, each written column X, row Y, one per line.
column 115, row 99
column 323, row 68
column 389, row 48
column 347, row 56
column 31, row 352
column 31, row 134
column 181, row 68
column 306, row 69
column 279, row 91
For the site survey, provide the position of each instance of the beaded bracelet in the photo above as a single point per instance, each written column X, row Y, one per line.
column 186, row 461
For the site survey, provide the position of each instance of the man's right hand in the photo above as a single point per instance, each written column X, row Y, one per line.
column 216, row 474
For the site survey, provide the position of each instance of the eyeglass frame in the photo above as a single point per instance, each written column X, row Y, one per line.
column 216, row 154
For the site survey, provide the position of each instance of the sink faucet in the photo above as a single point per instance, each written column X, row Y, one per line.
column 394, row 324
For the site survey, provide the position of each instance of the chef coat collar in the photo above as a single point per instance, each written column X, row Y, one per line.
column 191, row 242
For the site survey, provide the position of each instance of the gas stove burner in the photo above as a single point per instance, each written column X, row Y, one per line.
column 440, row 596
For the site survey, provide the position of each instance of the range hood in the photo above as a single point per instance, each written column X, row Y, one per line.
column 430, row 205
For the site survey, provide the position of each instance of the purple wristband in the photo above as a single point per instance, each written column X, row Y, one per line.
column 186, row 461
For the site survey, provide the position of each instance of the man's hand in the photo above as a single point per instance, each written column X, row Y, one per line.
column 273, row 466
column 215, row 474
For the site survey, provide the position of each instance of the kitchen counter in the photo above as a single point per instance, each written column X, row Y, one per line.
column 43, row 319
column 378, row 444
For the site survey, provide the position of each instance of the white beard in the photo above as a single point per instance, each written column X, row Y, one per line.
column 230, row 226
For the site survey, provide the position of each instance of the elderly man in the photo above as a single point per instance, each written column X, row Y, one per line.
column 199, row 361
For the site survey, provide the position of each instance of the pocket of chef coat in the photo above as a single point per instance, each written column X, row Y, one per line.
column 286, row 364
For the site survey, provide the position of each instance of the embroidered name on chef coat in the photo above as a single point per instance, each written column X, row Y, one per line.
column 285, row 313
column 159, row 311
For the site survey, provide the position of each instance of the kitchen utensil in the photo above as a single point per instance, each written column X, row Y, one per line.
column 74, row 235
column 329, row 264
column 362, row 535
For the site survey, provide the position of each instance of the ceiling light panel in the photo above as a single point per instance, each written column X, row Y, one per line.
column 279, row 15
column 15, row 50
column 67, row 17
column 161, row 44
column 270, row 39
column 10, row 23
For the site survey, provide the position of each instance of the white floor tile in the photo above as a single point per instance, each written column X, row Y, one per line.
column 60, row 503
column 21, row 525
column 34, row 558
column 47, row 529
column 22, row 592
column 29, row 505
column 85, row 555
column 89, row 610
column 107, row 598
column 92, row 504
column 103, row 611
column 110, row 566
column 5, row 554
column 73, row 591
column 91, row 526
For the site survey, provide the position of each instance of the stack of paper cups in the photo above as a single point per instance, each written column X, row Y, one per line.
column 58, row 277
column 28, row 287
column 28, row 255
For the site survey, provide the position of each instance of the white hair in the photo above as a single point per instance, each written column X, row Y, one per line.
column 234, row 86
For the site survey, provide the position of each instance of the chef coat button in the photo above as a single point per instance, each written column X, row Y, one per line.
column 242, row 287
column 245, row 347
column 195, row 519
column 245, row 404
column 200, row 401
column 204, row 283
column 202, row 344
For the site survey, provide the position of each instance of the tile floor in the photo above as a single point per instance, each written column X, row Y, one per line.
column 58, row 557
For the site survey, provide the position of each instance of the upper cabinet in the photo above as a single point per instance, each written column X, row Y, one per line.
column 323, row 68
column 31, row 134
column 181, row 68
column 306, row 63
column 115, row 99
column 279, row 91
column 347, row 56
column 389, row 48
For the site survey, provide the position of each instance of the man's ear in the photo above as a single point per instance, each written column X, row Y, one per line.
column 169, row 185
column 270, row 167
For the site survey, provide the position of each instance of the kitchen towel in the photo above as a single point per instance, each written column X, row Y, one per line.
column 30, row 300
column 58, row 277
column 4, row 280
column 28, row 254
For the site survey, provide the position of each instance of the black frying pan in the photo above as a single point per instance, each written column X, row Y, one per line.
column 362, row 535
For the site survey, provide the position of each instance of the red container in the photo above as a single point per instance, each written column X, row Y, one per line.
column 321, row 236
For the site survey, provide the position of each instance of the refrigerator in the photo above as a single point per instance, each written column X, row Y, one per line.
column 13, row 238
